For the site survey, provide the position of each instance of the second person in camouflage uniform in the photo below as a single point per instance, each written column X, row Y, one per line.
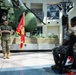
column 67, row 47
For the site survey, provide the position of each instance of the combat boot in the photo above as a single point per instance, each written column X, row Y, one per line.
column 5, row 56
column 8, row 55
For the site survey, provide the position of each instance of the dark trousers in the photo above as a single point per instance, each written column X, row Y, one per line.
column 61, row 58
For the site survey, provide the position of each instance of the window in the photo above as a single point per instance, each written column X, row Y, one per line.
column 52, row 11
column 37, row 30
column 37, row 9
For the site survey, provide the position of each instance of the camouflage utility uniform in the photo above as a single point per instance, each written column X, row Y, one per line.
column 60, row 52
column 5, row 39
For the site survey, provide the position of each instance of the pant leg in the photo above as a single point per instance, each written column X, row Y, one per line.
column 56, row 58
column 56, row 55
column 3, row 44
column 59, row 54
column 8, row 46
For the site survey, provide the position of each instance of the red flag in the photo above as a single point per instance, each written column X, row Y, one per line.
column 20, row 30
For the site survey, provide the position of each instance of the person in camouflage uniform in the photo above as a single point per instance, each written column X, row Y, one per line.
column 62, row 52
column 5, row 32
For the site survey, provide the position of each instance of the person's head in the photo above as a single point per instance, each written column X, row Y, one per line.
column 73, row 21
column 5, row 22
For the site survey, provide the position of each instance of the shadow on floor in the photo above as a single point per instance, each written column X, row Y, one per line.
column 30, row 71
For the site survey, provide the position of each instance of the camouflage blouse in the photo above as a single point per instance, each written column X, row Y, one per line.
column 5, row 35
column 69, row 33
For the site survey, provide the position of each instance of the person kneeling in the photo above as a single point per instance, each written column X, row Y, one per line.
column 62, row 52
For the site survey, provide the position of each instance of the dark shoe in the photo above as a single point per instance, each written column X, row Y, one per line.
column 55, row 67
column 73, row 67
column 67, row 71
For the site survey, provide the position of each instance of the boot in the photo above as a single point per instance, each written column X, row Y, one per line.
column 5, row 56
column 8, row 55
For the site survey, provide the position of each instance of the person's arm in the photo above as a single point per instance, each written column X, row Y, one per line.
column 0, row 30
column 65, row 39
column 11, row 31
column 8, row 31
column 67, row 36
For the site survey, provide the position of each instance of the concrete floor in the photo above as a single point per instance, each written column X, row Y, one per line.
column 28, row 63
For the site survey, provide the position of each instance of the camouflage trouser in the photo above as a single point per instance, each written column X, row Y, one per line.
column 59, row 53
column 5, row 46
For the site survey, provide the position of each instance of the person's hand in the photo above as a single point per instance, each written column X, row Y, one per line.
column 8, row 31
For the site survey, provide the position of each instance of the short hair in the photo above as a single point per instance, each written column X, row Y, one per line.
column 73, row 19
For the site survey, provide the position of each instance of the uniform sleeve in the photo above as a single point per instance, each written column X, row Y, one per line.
column 0, row 28
column 66, row 37
column 68, row 34
column 11, row 29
